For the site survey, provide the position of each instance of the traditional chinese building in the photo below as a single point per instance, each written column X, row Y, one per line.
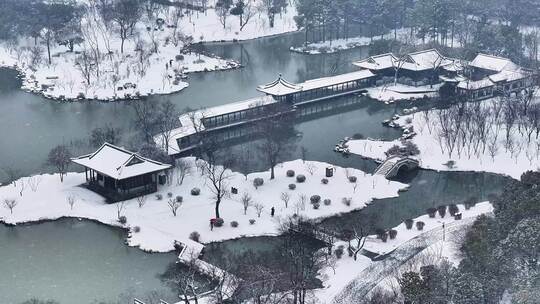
column 118, row 174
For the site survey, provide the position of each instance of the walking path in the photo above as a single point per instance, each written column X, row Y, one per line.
column 370, row 277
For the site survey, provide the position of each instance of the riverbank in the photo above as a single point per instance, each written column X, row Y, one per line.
column 121, row 76
column 496, row 153
column 343, row 44
column 158, row 228
column 348, row 279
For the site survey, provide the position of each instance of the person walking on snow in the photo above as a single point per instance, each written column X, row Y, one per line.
column 272, row 211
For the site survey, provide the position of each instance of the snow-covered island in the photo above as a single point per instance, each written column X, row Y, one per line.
column 483, row 139
column 153, row 226
column 109, row 58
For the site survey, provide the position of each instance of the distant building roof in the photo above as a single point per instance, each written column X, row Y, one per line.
column 493, row 63
column 279, row 87
column 476, row 85
column 425, row 60
column 119, row 163
column 333, row 80
column 508, row 76
column 192, row 122
column 379, row 62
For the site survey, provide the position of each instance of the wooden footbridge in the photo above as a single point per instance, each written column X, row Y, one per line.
column 391, row 166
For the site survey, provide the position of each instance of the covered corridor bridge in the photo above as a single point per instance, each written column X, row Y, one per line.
column 318, row 89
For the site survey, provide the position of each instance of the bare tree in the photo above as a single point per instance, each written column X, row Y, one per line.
column 360, row 238
column 218, row 177
column 125, row 13
column 119, row 209
column 259, row 208
column 301, row 202
column 184, row 169
column 141, row 200
column 71, row 199
column 145, row 117
column 22, row 186
column 84, row 64
column 12, row 174
column 311, row 168
column 184, row 278
column 276, row 130
column 285, row 197
column 246, row 201
column 223, row 10
column 175, row 18
column 10, row 204
column 303, row 153
column 33, row 182
column 166, row 121
column 60, row 158
column 174, row 205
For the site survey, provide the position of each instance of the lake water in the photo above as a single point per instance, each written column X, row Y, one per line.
column 74, row 261
column 69, row 259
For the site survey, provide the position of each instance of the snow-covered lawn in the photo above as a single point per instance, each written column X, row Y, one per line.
column 510, row 157
column 348, row 277
column 391, row 93
column 206, row 26
column 159, row 228
column 376, row 245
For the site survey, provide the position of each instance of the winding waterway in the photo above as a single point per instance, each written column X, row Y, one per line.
column 71, row 259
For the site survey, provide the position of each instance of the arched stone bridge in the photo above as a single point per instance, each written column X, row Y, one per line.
column 391, row 166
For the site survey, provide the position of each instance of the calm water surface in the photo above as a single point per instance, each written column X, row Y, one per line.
column 74, row 261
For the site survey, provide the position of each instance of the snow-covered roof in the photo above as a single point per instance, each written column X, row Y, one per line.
column 425, row 60
column 192, row 122
column 379, row 62
column 508, row 76
column 455, row 79
column 455, row 66
column 119, row 163
column 279, row 87
column 476, row 85
column 238, row 106
column 333, row 80
column 493, row 63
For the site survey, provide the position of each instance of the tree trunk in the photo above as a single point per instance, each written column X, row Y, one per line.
column 218, row 201
column 272, row 173
column 272, row 17
column 49, row 49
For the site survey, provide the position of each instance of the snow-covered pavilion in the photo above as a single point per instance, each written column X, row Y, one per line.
column 119, row 174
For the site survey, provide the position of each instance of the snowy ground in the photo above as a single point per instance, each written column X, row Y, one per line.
column 152, row 62
column 63, row 80
column 391, row 93
column 511, row 158
column 336, row 45
column 349, row 279
column 206, row 27
column 159, row 228
column 376, row 245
